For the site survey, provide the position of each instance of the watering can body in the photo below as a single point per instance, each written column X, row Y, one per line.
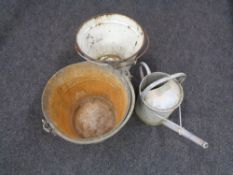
column 151, row 115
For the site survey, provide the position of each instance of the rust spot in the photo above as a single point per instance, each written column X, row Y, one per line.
column 97, row 17
column 109, row 14
column 103, row 15
column 99, row 24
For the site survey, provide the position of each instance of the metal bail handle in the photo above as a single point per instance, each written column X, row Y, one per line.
column 146, row 67
column 179, row 76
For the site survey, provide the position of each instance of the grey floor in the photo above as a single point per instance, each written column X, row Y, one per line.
column 196, row 37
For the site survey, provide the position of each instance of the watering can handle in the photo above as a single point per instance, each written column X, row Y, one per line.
column 146, row 67
column 179, row 76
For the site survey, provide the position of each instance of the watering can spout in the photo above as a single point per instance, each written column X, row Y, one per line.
column 185, row 133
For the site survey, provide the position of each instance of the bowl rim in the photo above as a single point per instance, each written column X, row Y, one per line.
column 98, row 138
column 87, row 57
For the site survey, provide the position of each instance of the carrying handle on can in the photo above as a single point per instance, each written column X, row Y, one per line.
column 146, row 67
column 179, row 76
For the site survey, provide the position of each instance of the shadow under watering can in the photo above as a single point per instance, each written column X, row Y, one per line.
column 159, row 95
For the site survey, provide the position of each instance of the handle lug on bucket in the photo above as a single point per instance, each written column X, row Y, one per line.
column 47, row 128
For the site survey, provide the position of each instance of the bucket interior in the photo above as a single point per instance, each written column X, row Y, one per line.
column 110, row 37
column 90, row 90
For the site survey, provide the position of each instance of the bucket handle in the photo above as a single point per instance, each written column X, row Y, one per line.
column 47, row 127
column 179, row 76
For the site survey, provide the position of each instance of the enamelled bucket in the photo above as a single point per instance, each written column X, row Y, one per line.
column 113, row 39
column 86, row 90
